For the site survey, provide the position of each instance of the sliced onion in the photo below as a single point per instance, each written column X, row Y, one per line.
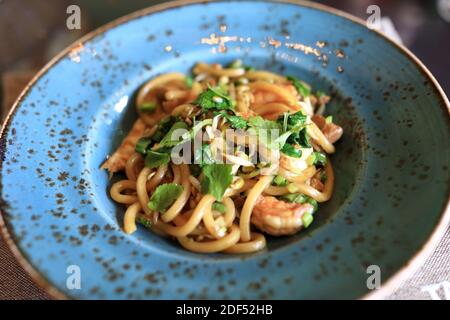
column 239, row 160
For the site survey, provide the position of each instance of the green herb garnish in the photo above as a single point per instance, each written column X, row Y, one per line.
column 154, row 159
column 143, row 144
column 300, row 198
column 294, row 197
column 291, row 151
column 292, row 121
column 203, row 155
column 236, row 122
column 314, row 203
column 145, row 222
column 267, row 131
column 301, row 138
column 280, row 181
column 216, row 179
column 163, row 197
column 295, row 131
column 148, row 107
column 307, row 219
column 164, row 127
column 323, row 176
column 214, row 98
column 235, row 64
column 168, row 140
column 188, row 81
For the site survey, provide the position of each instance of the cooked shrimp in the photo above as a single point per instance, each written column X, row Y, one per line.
column 278, row 217
column 331, row 131
column 119, row 158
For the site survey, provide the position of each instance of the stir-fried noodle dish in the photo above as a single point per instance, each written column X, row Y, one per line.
column 219, row 158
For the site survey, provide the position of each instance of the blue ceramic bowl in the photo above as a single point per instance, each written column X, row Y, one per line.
column 389, row 207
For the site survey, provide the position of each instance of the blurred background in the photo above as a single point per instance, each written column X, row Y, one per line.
column 33, row 31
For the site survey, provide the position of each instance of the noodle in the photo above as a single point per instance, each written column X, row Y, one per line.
column 256, row 243
column 269, row 108
column 133, row 166
column 178, row 205
column 264, row 75
column 209, row 206
column 280, row 91
column 119, row 187
column 212, row 246
column 254, row 193
column 141, row 189
column 129, row 220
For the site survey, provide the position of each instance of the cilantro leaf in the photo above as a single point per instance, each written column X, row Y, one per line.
column 168, row 140
column 291, row 121
column 214, row 98
column 154, row 159
column 302, row 88
column 143, row 144
column 291, row 151
column 236, row 122
column 302, row 138
column 216, row 179
column 261, row 123
column 295, row 133
column 163, row 197
column 203, row 155
column 164, row 127
column 196, row 129
column 265, row 131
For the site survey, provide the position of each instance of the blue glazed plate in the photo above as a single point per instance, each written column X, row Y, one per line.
column 389, row 206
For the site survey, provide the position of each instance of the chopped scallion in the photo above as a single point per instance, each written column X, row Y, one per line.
column 236, row 64
column 148, row 107
column 280, row 181
column 307, row 219
column 145, row 222
column 189, row 81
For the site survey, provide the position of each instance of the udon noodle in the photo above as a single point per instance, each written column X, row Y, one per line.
column 219, row 158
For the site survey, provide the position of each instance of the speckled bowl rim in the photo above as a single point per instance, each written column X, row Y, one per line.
column 388, row 287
